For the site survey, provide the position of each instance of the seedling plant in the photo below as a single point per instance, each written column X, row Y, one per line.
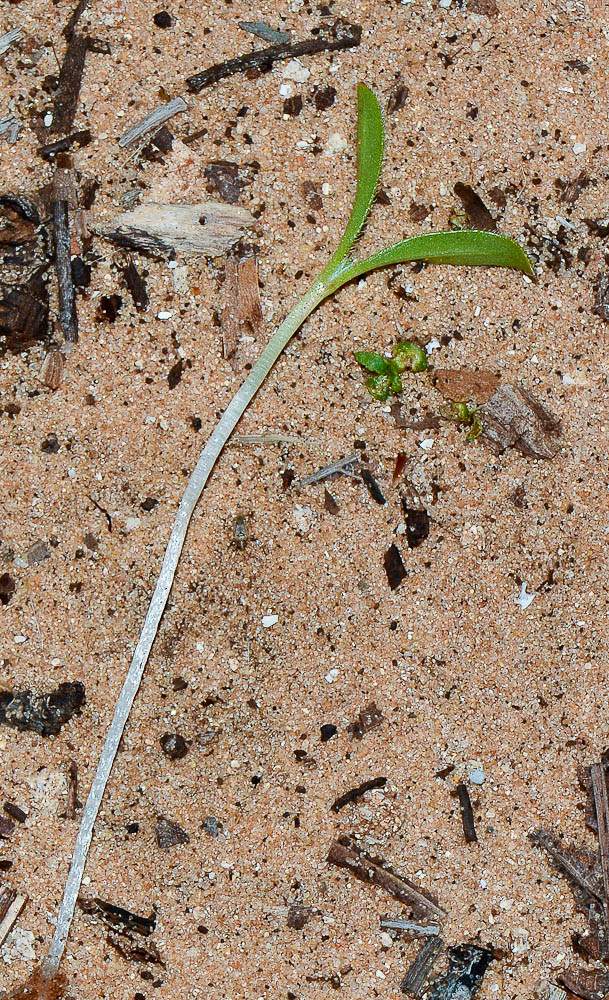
column 457, row 247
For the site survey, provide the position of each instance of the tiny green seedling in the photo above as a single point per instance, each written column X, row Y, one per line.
column 469, row 247
column 466, row 415
column 387, row 372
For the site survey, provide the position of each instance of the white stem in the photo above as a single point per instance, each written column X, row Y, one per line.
column 196, row 483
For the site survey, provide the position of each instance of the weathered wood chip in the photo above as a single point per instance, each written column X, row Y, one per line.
column 243, row 311
column 11, row 905
column 587, row 984
column 514, row 418
column 414, row 981
column 369, row 718
column 208, row 228
column 51, row 372
column 601, row 302
column 463, row 384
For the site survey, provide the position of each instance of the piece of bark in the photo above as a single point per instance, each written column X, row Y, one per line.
column 70, row 81
column 208, row 228
column 464, row 384
column 51, row 149
column 601, row 301
column 44, row 714
column 242, row 312
column 152, row 121
column 369, row 718
column 7, row 827
column 590, row 984
column 169, row 833
column 476, row 211
column 514, row 418
column 341, row 35
column 330, row 503
column 298, row 916
column 51, row 372
column 15, row 812
column 414, row 981
column 356, row 793
column 375, row 871
column 136, row 285
column 24, row 313
column 417, row 525
column 467, row 813
column 394, row 567
column 467, row 966
column 68, row 320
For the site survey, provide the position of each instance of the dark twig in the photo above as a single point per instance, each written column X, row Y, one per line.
column 568, row 864
column 63, row 268
column 356, row 793
column 418, row 973
column 81, row 138
column 344, row 854
column 345, row 36
column 467, row 813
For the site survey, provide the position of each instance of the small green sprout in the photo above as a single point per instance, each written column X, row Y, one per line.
column 386, row 377
column 466, row 415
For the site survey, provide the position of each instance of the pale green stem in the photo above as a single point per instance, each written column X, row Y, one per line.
column 316, row 294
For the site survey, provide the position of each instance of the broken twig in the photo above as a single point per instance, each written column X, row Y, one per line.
column 152, row 121
column 467, row 813
column 418, row 973
column 343, row 36
column 375, row 871
column 356, row 793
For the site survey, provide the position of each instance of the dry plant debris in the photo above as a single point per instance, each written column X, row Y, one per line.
column 45, row 714
column 208, row 228
column 514, row 418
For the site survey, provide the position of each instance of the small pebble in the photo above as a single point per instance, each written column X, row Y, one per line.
column 164, row 315
column 269, row 620
column 579, row 147
column 386, row 940
column 20, row 638
column 477, row 776
column 163, row 19
column 296, row 71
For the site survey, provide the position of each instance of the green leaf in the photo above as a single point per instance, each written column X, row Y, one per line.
column 370, row 144
column 372, row 362
column 379, row 386
column 409, row 355
column 470, row 248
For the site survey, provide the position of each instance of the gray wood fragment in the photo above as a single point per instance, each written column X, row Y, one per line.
column 209, row 228
column 9, row 39
column 152, row 121
column 418, row 973
column 412, row 928
column 514, row 418
column 9, row 128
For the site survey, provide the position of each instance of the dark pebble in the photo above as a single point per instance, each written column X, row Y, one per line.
column 327, row 732
column 163, row 19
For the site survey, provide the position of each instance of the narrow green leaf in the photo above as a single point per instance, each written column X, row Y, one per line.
column 370, row 143
column 470, row 247
column 372, row 362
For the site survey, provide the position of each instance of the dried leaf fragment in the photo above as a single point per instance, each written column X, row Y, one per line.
column 589, row 985
column 514, row 418
column 169, row 833
column 208, row 228
column 242, row 312
column 51, row 372
column 464, row 384
column 476, row 211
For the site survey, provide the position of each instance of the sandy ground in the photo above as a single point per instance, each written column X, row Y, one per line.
column 461, row 674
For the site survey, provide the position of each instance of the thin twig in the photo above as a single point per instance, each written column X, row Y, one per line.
column 344, row 466
column 346, row 37
column 63, row 268
column 152, row 121
column 601, row 801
